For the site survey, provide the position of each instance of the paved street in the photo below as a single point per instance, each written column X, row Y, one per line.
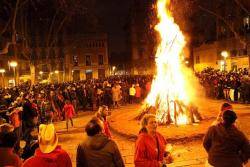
column 186, row 153
column 69, row 140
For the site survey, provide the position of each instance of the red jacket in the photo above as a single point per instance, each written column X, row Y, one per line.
column 137, row 91
column 106, row 130
column 57, row 158
column 146, row 154
column 69, row 110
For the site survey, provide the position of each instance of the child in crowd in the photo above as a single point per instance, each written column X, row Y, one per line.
column 69, row 112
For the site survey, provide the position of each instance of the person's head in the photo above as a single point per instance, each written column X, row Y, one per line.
column 148, row 123
column 103, row 112
column 7, row 137
column 67, row 102
column 94, row 126
column 226, row 106
column 229, row 118
column 47, row 138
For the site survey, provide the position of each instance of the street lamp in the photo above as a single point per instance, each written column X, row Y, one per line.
column 13, row 64
column 2, row 71
column 224, row 54
column 41, row 73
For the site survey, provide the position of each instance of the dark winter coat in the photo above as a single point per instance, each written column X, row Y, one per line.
column 98, row 151
column 226, row 147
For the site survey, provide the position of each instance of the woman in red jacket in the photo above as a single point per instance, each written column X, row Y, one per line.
column 102, row 114
column 69, row 113
column 150, row 145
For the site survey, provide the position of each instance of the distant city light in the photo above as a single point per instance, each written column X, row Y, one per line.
column 2, row 70
column 13, row 63
column 224, row 54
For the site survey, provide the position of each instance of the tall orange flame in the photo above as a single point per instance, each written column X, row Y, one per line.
column 168, row 85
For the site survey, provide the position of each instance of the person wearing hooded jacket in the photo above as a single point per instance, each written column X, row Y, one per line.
column 225, row 144
column 97, row 149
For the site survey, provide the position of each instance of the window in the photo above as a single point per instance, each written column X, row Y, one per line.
column 100, row 59
column 75, row 60
column 44, row 67
column 88, row 60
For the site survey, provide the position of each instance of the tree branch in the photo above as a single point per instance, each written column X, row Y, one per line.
column 59, row 28
column 242, row 41
column 23, row 3
column 242, row 6
column 51, row 27
column 6, row 26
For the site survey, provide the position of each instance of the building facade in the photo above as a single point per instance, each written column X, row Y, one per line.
column 211, row 55
column 87, row 57
column 78, row 57
column 141, row 38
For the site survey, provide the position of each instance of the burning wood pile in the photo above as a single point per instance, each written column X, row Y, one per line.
column 170, row 94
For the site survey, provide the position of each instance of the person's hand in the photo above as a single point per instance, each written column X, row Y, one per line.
column 168, row 159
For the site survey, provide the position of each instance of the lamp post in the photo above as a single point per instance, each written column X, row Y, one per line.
column 224, row 54
column 2, row 71
column 13, row 64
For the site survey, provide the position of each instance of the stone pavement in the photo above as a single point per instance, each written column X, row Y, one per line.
column 187, row 139
column 187, row 153
column 70, row 140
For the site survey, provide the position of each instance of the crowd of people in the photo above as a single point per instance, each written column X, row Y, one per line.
column 232, row 86
column 28, row 137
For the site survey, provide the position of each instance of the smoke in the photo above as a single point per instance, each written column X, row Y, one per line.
column 192, row 86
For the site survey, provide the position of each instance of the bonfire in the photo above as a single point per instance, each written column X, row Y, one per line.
column 169, row 95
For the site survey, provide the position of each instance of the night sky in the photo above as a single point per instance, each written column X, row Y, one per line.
column 113, row 15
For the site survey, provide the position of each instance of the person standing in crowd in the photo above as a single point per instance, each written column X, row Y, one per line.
column 224, row 107
column 8, row 140
column 107, row 95
column 29, row 115
column 225, row 144
column 49, row 152
column 97, row 149
column 116, row 94
column 138, row 93
column 132, row 92
column 73, row 98
column 69, row 113
column 102, row 114
column 150, row 144
column 16, row 122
